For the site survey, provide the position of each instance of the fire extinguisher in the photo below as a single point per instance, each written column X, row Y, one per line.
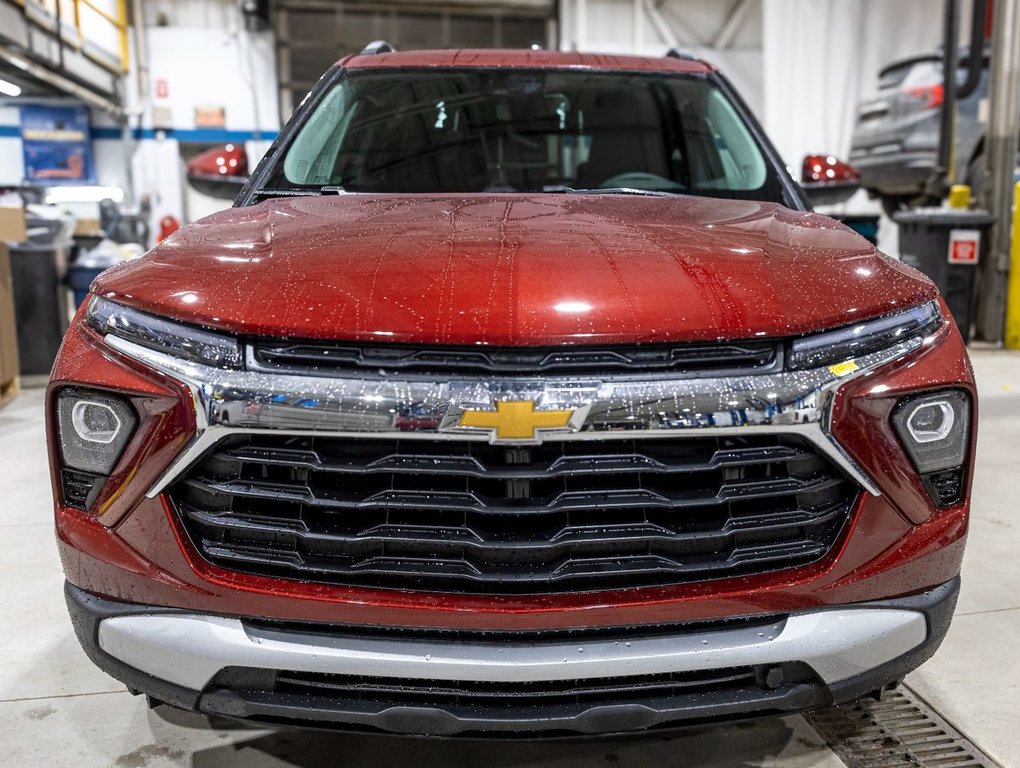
column 167, row 226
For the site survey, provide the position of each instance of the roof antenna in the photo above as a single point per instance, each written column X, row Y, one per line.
column 675, row 53
column 377, row 46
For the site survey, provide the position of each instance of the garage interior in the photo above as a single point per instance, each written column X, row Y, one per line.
column 159, row 95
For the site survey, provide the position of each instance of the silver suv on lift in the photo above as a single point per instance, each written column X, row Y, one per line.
column 896, row 136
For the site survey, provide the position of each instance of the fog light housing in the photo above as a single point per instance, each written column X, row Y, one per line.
column 93, row 428
column 935, row 431
column 95, row 421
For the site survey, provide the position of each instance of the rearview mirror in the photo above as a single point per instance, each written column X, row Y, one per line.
column 219, row 172
column 827, row 181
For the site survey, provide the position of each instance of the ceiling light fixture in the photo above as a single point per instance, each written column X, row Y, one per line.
column 8, row 88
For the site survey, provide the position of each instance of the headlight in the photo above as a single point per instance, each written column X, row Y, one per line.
column 856, row 340
column 935, row 430
column 179, row 339
column 93, row 428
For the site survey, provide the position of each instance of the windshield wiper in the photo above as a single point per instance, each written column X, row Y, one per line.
column 611, row 191
column 285, row 192
column 303, row 192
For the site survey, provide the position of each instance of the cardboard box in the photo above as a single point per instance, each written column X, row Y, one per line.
column 12, row 224
column 9, row 365
column 87, row 228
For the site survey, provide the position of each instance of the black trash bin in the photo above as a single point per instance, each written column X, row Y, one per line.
column 947, row 245
column 865, row 225
column 40, row 304
column 80, row 277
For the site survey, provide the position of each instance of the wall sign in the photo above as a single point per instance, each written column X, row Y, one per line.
column 210, row 116
column 57, row 145
column 964, row 246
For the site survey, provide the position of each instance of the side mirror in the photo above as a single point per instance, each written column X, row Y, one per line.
column 827, row 181
column 219, row 172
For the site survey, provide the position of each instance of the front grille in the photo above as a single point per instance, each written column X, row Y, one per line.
column 339, row 358
column 465, row 516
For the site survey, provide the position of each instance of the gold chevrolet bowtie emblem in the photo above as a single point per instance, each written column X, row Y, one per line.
column 515, row 419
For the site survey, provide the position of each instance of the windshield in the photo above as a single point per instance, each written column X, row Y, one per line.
column 499, row 130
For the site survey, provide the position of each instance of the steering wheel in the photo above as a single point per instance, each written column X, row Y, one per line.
column 641, row 180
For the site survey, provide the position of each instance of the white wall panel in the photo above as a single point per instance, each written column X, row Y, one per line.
column 204, row 67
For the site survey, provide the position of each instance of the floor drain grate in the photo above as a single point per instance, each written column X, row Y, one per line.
column 900, row 730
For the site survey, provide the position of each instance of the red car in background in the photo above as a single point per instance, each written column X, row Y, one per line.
column 520, row 391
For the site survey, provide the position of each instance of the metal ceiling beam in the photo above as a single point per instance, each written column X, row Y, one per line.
column 60, row 82
column 734, row 21
column 679, row 32
column 663, row 28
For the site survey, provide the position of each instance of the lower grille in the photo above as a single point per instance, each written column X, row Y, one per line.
column 542, row 707
column 468, row 516
column 395, row 692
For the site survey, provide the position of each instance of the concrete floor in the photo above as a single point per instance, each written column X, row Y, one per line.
column 57, row 710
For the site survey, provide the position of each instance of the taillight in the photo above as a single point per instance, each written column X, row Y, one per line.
column 932, row 94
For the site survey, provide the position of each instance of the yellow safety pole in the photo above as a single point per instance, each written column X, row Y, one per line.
column 122, row 28
column 1013, row 299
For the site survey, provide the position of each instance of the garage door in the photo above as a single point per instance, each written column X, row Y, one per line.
column 313, row 35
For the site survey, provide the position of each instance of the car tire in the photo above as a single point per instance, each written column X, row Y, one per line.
column 893, row 204
column 976, row 174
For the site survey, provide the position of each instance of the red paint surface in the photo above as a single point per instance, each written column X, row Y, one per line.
column 516, row 269
column 494, row 57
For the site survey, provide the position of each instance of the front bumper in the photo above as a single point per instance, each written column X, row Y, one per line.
column 899, row 172
column 467, row 682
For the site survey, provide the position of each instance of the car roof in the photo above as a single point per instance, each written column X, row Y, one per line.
column 525, row 58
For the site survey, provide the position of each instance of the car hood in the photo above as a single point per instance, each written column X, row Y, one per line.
column 515, row 269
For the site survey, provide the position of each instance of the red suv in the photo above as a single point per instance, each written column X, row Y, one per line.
column 519, row 392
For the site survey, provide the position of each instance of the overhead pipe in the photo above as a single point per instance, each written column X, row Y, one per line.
column 142, row 95
column 976, row 59
column 944, row 173
column 942, row 176
column 141, row 56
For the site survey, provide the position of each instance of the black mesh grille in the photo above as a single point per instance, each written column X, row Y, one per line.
column 468, row 516
column 946, row 488
column 595, row 705
column 80, row 489
column 333, row 358
column 439, row 693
